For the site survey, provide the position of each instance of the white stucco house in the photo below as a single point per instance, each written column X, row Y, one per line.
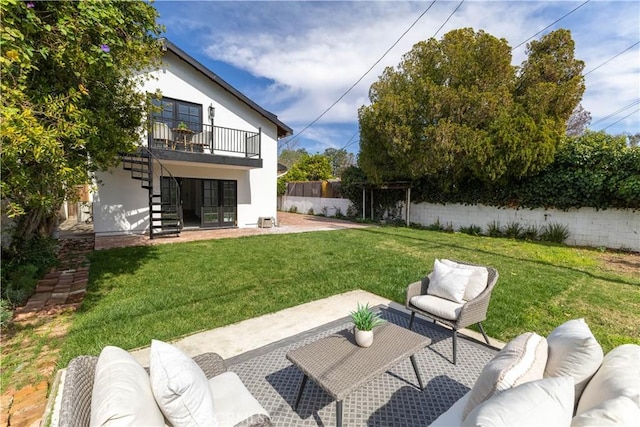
column 208, row 159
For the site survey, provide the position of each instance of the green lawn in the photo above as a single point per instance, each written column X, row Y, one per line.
column 167, row 291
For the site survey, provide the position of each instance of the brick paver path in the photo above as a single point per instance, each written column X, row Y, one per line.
column 62, row 288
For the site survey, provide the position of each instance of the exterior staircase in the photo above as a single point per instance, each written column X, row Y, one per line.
column 165, row 217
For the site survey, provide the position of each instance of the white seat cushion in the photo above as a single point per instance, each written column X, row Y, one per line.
column 437, row 306
column 573, row 351
column 619, row 375
column 448, row 282
column 547, row 402
column 523, row 359
column 122, row 393
column 180, row 387
column 620, row 411
column 233, row 402
column 477, row 280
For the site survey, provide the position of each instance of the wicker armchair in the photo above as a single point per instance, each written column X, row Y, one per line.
column 471, row 312
column 75, row 407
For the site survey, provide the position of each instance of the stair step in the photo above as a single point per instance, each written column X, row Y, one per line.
column 165, row 233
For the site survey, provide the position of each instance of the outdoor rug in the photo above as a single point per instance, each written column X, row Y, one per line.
column 392, row 399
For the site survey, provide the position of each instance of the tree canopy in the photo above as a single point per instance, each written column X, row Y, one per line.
column 70, row 104
column 456, row 109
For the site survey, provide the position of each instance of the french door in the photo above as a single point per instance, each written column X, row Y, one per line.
column 219, row 203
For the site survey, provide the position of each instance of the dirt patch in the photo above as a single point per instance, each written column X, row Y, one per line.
column 628, row 263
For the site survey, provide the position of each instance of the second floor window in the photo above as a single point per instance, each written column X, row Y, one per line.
column 176, row 113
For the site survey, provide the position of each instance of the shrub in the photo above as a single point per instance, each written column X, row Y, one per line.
column 513, row 230
column 325, row 211
column 555, row 232
column 436, row 226
column 310, row 211
column 473, row 230
column 6, row 314
column 293, row 209
column 338, row 212
column 494, row 230
column 23, row 265
column 530, row 233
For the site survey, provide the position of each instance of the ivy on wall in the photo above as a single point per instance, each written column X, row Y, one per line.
column 594, row 170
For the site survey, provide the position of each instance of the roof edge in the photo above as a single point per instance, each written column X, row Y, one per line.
column 283, row 129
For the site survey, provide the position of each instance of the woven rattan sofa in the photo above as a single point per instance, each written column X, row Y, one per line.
column 468, row 313
column 75, row 408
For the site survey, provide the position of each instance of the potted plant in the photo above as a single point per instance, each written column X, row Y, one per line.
column 365, row 320
column 182, row 126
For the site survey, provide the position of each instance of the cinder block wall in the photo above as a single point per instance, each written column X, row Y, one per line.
column 304, row 204
column 611, row 228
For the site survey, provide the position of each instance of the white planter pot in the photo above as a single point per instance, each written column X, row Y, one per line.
column 364, row 338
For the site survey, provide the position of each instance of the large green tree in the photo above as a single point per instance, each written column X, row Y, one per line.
column 70, row 98
column 308, row 168
column 456, row 109
column 340, row 159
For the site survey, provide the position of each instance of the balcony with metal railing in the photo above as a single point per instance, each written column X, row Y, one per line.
column 214, row 144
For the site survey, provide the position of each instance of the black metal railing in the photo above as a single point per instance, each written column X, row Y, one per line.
column 204, row 138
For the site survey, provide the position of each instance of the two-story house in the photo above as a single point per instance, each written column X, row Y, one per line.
column 208, row 159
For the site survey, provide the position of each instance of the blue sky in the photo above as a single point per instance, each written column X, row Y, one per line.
column 296, row 58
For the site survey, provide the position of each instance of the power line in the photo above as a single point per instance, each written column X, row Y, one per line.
column 551, row 25
column 448, row 18
column 350, row 139
column 616, row 112
column 616, row 122
column 366, row 72
column 612, row 58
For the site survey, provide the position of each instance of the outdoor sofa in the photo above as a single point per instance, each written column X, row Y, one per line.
column 562, row 379
column 126, row 397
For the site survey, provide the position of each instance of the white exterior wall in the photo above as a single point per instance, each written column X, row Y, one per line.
column 303, row 204
column 612, row 228
column 122, row 205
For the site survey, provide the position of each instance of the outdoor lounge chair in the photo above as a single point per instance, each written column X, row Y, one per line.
column 456, row 315
column 162, row 135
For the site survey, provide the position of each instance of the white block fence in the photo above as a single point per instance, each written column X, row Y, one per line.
column 304, row 204
column 611, row 228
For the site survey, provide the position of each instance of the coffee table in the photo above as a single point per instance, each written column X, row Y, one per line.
column 339, row 366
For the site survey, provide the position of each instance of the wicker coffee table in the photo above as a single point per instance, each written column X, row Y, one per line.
column 339, row 366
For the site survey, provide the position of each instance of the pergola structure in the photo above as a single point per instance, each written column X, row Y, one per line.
column 396, row 185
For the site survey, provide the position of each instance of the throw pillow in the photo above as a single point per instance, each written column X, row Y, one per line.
column 546, row 402
column 521, row 360
column 619, row 375
column 477, row 281
column 448, row 282
column 573, row 351
column 620, row 411
column 180, row 387
column 121, row 393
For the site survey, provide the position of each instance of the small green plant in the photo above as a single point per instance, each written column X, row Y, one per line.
column 494, row 230
column 310, row 212
column 436, row 226
column 325, row 211
column 183, row 126
column 338, row 212
column 6, row 313
column 530, row 233
column 555, row 232
column 364, row 319
column 293, row 209
column 513, row 230
column 473, row 230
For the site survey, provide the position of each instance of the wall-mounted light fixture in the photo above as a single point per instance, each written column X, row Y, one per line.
column 212, row 112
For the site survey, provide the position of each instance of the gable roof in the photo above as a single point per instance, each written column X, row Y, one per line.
column 283, row 129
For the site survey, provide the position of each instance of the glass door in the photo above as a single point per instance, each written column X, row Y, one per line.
column 210, row 216
column 219, row 203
